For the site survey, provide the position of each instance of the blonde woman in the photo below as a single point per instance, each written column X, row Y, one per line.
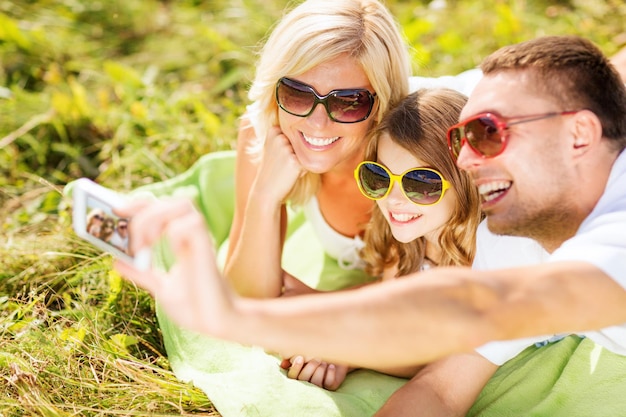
column 327, row 74
column 94, row 221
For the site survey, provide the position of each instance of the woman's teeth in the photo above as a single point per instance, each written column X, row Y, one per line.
column 319, row 141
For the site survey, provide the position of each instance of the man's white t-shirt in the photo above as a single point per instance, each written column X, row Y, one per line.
column 463, row 82
column 119, row 241
column 600, row 240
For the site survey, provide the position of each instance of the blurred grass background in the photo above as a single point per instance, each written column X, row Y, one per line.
column 133, row 91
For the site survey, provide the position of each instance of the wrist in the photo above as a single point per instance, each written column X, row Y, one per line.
column 264, row 204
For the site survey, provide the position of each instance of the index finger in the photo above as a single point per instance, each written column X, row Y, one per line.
column 150, row 219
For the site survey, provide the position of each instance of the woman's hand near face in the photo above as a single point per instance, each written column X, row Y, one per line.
column 279, row 168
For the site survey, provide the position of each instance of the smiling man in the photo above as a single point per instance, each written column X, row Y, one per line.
column 542, row 135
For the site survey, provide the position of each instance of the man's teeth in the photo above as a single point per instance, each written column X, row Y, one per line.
column 493, row 190
column 403, row 217
column 319, row 141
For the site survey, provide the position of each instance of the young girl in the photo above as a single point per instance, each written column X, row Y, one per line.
column 108, row 227
column 427, row 209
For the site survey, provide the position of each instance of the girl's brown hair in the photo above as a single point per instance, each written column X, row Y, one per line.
column 419, row 124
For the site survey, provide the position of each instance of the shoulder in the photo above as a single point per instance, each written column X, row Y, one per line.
column 463, row 82
column 600, row 238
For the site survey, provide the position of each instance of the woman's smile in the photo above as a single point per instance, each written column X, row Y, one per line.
column 319, row 142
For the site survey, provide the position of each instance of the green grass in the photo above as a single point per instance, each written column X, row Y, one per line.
column 131, row 92
column 75, row 339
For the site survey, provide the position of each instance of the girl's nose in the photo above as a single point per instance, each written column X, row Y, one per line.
column 396, row 196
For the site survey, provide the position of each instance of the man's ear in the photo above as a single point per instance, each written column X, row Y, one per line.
column 586, row 131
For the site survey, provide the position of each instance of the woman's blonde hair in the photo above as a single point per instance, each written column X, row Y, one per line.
column 319, row 31
column 419, row 124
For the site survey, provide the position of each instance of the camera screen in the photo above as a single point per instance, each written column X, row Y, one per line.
column 104, row 225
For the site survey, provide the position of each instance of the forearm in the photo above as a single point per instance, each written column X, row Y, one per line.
column 254, row 265
column 448, row 387
column 419, row 401
column 556, row 297
column 400, row 323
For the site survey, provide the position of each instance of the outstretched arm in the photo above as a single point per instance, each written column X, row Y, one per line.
column 396, row 323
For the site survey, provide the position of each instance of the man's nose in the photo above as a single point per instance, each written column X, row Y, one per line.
column 468, row 157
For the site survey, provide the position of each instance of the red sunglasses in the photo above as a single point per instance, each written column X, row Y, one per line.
column 485, row 132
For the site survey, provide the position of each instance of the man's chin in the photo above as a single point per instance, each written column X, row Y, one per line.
column 499, row 227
